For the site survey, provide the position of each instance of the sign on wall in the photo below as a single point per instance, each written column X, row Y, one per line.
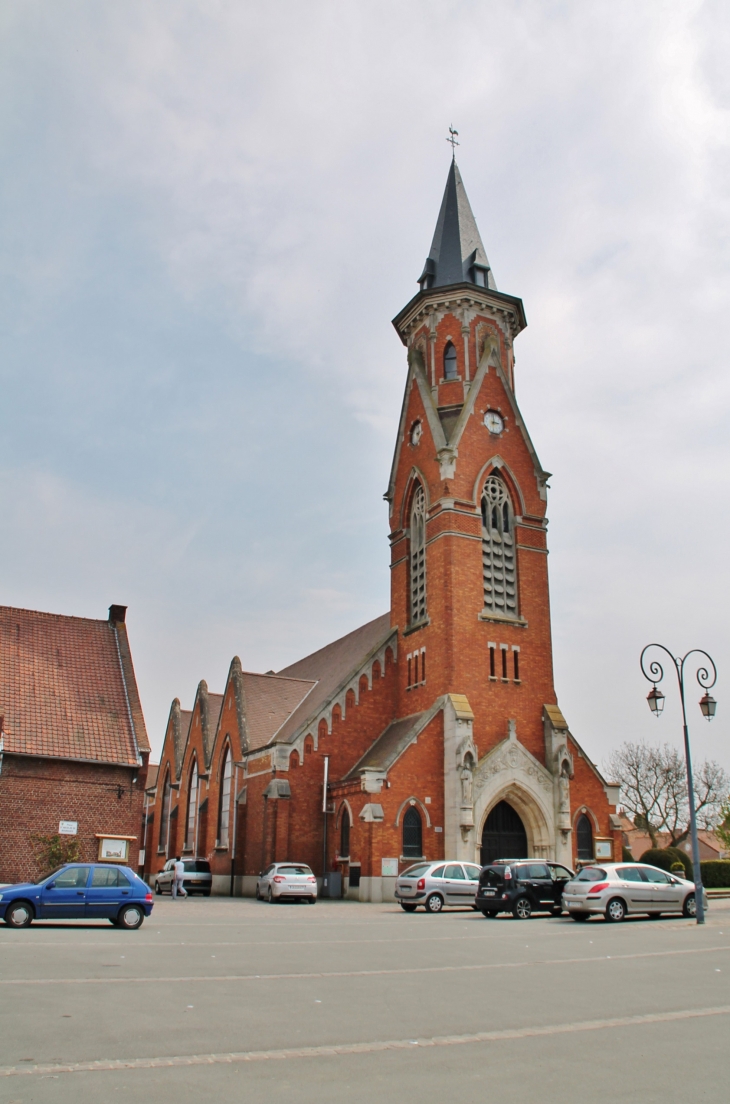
column 389, row 868
column 68, row 828
column 604, row 849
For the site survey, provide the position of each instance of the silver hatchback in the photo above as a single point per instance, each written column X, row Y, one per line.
column 291, row 880
column 614, row 890
column 197, row 877
column 435, row 884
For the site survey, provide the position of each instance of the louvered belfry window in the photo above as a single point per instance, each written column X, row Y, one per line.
column 498, row 548
column 418, row 556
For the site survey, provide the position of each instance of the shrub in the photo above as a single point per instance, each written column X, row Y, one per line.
column 716, row 873
column 665, row 857
column 53, row 851
column 626, row 855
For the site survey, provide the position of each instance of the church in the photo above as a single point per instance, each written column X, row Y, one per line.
column 433, row 731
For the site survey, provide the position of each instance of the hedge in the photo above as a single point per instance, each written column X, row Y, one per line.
column 665, row 857
column 715, row 873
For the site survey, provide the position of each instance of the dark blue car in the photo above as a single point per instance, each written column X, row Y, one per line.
column 79, row 891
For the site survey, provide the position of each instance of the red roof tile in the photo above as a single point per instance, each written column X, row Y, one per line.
column 62, row 689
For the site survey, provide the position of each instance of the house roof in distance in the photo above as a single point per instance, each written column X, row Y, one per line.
column 67, row 687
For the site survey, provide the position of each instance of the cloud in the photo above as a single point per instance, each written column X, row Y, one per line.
column 213, row 211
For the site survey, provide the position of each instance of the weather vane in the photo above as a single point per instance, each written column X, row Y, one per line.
column 452, row 140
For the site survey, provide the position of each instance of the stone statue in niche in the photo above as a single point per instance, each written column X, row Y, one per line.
column 466, row 784
column 564, row 789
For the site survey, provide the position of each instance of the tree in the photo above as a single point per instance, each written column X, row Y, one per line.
column 654, row 790
column 722, row 831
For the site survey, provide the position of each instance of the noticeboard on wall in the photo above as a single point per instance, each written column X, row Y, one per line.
column 603, row 849
column 114, row 848
column 389, row 868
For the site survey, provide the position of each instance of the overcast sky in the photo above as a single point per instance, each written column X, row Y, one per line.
column 211, row 211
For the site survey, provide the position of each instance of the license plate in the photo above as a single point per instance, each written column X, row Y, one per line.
column 488, row 892
column 196, row 881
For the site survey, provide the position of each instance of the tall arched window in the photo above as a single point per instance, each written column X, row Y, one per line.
column 418, row 556
column 498, row 548
column 584, row 833
column 412, row 834
column 192, row 807
column 165, row 813
column 345, row 834
column 450, row 371
column 224, row 812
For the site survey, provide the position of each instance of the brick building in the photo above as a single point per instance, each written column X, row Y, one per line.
column 73, row 743
column 437, row 724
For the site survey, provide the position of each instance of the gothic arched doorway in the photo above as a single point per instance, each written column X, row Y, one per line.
column 504, row 835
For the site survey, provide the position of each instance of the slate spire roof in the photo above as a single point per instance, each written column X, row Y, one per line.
column 457, row 254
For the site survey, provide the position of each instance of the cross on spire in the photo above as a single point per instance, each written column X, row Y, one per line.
column 452, row 140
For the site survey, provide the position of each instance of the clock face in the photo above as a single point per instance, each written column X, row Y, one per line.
column 494, row 421
column 416, row 431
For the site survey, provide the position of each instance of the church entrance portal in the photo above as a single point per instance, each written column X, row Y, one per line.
column 504, row 835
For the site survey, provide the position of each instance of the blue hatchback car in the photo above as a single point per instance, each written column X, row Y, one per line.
column 79, row 891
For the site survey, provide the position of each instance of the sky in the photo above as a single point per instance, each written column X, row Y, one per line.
column 209, row 214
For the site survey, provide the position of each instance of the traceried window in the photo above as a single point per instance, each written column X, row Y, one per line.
column 165, row 815
column 192, row 807
column 584, row 833
column 418, row 556
column 450, row 371
column 498, row 548
column 412, row 834
column 345, row 835
column 224, row 814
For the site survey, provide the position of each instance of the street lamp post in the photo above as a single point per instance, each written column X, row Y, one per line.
column 706, row 677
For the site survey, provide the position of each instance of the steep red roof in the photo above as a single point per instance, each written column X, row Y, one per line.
column 332, row 667
column 270, row 701
column 67, row 688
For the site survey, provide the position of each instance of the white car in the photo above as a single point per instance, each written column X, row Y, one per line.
column 294, row 881
column 616, row 889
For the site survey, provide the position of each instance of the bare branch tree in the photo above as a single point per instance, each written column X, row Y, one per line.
column 654, row 790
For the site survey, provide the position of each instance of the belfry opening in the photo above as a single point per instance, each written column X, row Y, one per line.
column 504, row 835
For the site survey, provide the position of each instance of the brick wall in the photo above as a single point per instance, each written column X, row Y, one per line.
column 36, row 794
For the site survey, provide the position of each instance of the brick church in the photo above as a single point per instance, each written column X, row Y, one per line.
column 434, row 730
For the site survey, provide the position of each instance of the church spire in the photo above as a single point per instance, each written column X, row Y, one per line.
column 457, row 254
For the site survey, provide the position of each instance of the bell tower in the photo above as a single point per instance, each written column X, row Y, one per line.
column 467, row 496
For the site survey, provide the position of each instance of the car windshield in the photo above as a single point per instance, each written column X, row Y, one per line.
column 415, row 871
column 45, row 877
column 591, row 874
column 299, row 869
column 196, row 866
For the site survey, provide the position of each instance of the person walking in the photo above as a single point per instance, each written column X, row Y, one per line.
column 177, row 882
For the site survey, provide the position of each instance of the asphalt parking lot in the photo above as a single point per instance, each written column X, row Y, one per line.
column 234, row 1000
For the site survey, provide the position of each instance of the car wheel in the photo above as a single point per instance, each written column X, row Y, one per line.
column 556, row 910
column 522, row 909
column 615, row 910
column 434, row 903
column 579, row 917
column 206, row 893
column 270, row 896
column 19, row 915
column 158, row 890
column 689, row 908
column 407, row 907
column 488, row 914
column 130, row 917
column 313, row 900
column 113, row 921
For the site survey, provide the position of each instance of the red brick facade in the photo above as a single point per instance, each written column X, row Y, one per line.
column 73, row 742
column 448, row 715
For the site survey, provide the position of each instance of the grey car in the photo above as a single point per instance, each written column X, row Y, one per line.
column 289, row 880
column 435, row 884
column 615, row 890
column 197, row 878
